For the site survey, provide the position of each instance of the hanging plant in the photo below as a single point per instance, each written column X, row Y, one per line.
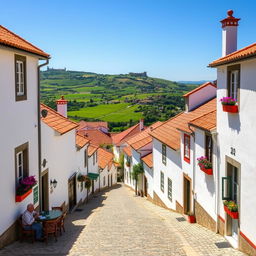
column 81, row 178
column 87, row 183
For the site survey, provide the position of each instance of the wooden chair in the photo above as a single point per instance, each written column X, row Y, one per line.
column 50, row 228
column 60, row 225
column 25, row 233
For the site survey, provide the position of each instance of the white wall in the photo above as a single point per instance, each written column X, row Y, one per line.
column 94, row 168
column 148, row 172
column 238, row 131
column 18, row 126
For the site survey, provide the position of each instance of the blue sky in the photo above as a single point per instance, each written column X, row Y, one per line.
column 171, row 39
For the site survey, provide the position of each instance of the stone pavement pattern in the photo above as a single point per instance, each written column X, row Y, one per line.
column 117, row 223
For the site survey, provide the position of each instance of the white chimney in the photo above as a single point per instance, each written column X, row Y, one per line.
column 229, row 34
column 62, row 106
column 141, row 124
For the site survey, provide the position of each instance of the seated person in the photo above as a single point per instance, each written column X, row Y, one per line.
column 28, row 221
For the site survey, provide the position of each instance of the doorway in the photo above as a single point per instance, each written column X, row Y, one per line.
column 187, row 194
column 145, row 186
column 72, row 192
column 111, row 180
column 45, row 191
column 108, row 181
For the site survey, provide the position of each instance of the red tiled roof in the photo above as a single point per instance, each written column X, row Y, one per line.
column 81, row 141
column 242, row 54
column 10, row 39
column 127, row 150
column 199, row 88
column 96, row 137
column 92, row 125
column 148, row 160
column 56, row 121
column 92, row 149
column 168, row 132
column 206, row 122
column 141, row 143
column 105, row 158
column 122, row 136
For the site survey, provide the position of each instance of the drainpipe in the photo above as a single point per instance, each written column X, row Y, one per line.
column 39, row 132
column 217, row 203
column 194, row 173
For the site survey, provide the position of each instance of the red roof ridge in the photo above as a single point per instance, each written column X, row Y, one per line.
column 222, row 59
column 199, row 88
column 39, row 50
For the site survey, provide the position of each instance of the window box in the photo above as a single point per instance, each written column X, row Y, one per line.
column 191, row 219
column 230, row 108
column 231, row 208
column 20, row 198
column 207, row 171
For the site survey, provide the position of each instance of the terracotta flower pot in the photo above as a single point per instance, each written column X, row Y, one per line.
column 207, row 171
column 230, row 108
column 20, row 198
column 191, row 219
column 233, row 215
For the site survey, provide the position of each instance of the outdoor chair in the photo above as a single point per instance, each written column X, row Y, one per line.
column 23, row 233
column 50, row 228
column 60, row 224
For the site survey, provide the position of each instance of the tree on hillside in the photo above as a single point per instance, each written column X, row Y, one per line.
column 136, row 171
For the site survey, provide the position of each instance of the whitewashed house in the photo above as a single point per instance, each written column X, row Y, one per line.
column 64, row 155
column 235, row 127
column 20, row 127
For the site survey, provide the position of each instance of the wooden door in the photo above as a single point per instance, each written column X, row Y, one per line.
column 45, row 192
column 72, row 192
column 92, row 186
column 145, row 186
column 111, row 180
column 187, row 195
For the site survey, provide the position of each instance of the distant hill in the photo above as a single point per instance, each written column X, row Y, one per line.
column 194, row 82
column 119, row 99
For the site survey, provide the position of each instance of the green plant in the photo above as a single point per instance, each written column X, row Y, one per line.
column 231, row 205
column 136, row 171
column 203, row 162
column 81, row 178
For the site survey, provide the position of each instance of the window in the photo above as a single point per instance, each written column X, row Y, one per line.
column 21, row 162
column 162, row 181
column 85, row 158
column 164, row 154
column 233, row 81
column 208, row 147
column 170, row 189
column 95, row 158
column 20, row 78
column 187, row 148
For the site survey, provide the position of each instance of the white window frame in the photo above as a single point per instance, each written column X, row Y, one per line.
column 162, row 181
column 20, row 78
column 20, row 165
column 169, row 191
column 234, row 83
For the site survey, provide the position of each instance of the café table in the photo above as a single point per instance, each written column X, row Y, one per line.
column 49, row 215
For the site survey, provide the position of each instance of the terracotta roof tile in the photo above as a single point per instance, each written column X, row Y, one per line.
column 141, row 143
column 199, row 88
column 81, row 141
column 96, row 137
column 92, row 125
column 148, row 160
column 206, row 122
column 56, row 121
column 127, row 150
column 8, row 38
column 244, row 53
column 168, row 132
column 92, row 149
column 105, row 158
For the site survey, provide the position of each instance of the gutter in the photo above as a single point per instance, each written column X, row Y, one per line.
column 217, row 203
column 39, row 132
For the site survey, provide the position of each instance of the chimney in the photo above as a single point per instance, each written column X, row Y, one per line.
column 141, row 124
column 62, row 106
column 229, row 34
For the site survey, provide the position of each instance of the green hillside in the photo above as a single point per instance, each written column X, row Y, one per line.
column 119, row 99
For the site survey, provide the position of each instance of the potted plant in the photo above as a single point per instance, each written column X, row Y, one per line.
column 229, row 104
column 128, row 163
column 25, row 188
column 87, row 185
column 205, row 165
column 191, row 217
column 231, row 208
column 81, row 178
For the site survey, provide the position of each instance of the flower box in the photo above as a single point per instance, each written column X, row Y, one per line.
column 233, row 215
column 20, row 198
column 191, row 219
column 230, row 108
column 207, row 170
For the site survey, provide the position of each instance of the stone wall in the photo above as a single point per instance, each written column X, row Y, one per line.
column 179, row 208
column 158, row 201
column 203, row 218
column 221, row 226
column 245, row 245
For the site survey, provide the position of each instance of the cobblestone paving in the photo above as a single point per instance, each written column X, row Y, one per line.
column 117, row 223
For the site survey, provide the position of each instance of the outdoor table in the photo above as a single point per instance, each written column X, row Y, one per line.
column 49, row 215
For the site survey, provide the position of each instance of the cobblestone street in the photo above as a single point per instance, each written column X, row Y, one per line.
column 117, row 223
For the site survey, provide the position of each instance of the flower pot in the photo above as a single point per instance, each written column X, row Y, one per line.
column 207, row 171
column 233, row 215
column 191, row 219
column 20, row 198
column 230, row 108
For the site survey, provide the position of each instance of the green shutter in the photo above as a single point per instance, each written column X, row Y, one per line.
column 226, row 188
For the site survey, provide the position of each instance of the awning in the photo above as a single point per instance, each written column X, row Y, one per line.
column 93, row 176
